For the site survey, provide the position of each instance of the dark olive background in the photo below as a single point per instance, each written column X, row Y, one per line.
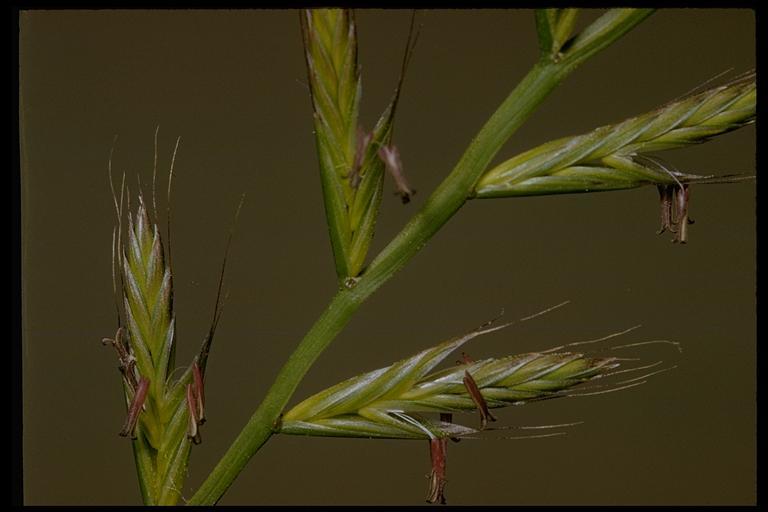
column 231, row 84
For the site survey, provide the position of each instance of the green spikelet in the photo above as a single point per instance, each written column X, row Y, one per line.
column 351, row 173
column 391, row 402
column 610, row 157
column 159, row 420
column 386, row 403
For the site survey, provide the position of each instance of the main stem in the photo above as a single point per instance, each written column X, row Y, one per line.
column 439, row 207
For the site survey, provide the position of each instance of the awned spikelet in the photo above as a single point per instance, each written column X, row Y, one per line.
column 611, row 157
column 391, row 402
column 351, row 170
column 163, row 412
column 385, row 403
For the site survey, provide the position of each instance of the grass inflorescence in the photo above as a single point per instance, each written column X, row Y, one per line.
column 165, row 406
column 611, row 157
column 398, row 401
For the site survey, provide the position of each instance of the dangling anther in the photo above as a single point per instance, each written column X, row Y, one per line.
column 199, row 391
column 674, row 211
column 438, row 450
column 193, row 432
column 134, row 409
column 391, row 158
column 665, row 200
column 195, row 403
column 474, row 393
column 477, row 397
column 682, row 195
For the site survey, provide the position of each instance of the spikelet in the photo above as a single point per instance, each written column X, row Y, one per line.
column 390, row 402
column 163, row 412
column 350, row 169
column 610, row 157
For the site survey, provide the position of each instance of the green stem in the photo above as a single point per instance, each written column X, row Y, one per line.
column 260, row 426
column 443, row 203
column 438, row 208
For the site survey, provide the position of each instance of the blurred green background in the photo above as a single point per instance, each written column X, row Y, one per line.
column 232, row 85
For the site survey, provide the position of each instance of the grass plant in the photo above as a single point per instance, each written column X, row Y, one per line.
column 165, row 410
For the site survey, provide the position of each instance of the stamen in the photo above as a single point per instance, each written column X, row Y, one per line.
column 199, row 392
column 129, row 428
column 682, row 195
column 674, row 210
column 477, row 397
column 391, row 158
column 192, row 432
column 437, row 451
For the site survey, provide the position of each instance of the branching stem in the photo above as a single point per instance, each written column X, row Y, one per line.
column 438, row 208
